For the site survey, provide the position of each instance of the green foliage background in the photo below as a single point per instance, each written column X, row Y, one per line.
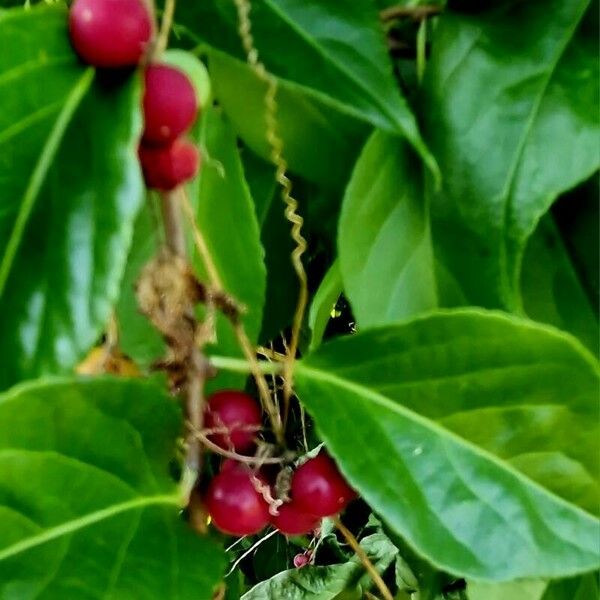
column 458, row 218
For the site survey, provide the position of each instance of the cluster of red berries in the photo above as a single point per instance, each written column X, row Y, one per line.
column 236, row 498
column 116, row 34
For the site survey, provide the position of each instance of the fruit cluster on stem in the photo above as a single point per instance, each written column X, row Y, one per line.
column 118, row 34
column 240, row 500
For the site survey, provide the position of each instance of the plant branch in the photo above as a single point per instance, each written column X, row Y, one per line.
column 239, row 365
column 197, row 365
column 162, row 40
column 238, row 327
column 364, row 559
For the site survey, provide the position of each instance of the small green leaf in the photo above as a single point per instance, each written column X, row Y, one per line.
column 311, row 129
column 137, row 336
column 80, row 515
column 336, row 51
column 513, row 121
column 550, row 287
column 323, row 303
column 384, row 242
column 413, row 398
column 71, row 188
column 226, row 217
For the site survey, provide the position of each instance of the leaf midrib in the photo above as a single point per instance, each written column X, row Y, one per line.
column 507, row 192
column 38, row 175
column 85, row 521
column 387, row 403
column 339, row 66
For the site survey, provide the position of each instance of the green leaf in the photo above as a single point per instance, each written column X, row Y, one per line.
column 515, row 590
column 335, row 50
column 81, row 516
column 323, row 303
column 550, row 287
column 339, row 582
column 70, row 187
column 384, row 242
column 476, row 422
column 226, row 217
column 311, row 129
column 137, row 336
column 512, row 120
column 575, row 588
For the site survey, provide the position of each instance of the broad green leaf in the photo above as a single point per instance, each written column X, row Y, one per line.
column 137, row 336
column 384, row 245
column 319, row 142
column 70, row 189
column 226, row 217
column 551, row 290
column 585, row 587
column 335, row 50
column 335, row 582
column 532, row 589
column 512, row 119
column 86, row 502
column 323, row 303
column 476, row 422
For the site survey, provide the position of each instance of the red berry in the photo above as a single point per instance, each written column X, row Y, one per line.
column 166, row 167
column 233, row 503
column 110, row 33
column 318, row 487
column 170, row 104
column 237, row 412
column 293, row 521
column 301, row 560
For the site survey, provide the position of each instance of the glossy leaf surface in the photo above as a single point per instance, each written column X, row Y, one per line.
column 415, row 396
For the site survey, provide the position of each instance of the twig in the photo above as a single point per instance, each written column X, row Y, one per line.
column 197, row 364
column 238, row 327
column 249, row 551
column 364, row 559
column 418, row 13
column 162, row 40
column 249, row 460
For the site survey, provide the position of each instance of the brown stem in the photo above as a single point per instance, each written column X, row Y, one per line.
column 197, row 366
column 249, row 460
column 238, row 327
column 364, row 559
column 417, row 13
column 162, row 40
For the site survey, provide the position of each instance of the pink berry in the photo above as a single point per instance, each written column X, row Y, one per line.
column 110, row 33
column 292, row 521
column 170, row 104
column 301, row 560
column 234, row 504
column 166, row 167
column 239, row 413
column 318, row 487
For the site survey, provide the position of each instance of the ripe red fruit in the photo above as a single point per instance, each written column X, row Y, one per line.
column 318, row 487
column 166, row 167
column 239, row 413
column 233, row 503
column 110, row 33
column 170, row 104
column 293, row 521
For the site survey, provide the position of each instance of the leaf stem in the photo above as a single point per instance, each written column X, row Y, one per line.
column 364, row 559
column 239, row 365
column 421, row 49
column 238, row 326
column 162, row 40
